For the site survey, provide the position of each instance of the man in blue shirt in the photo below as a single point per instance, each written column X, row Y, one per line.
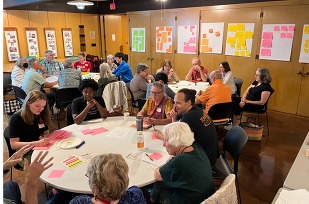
column 124, row 71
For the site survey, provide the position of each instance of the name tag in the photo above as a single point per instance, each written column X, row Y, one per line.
column 159, row 110
column 41, row 126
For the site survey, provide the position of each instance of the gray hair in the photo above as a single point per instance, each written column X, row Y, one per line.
column 141, row 67
column 158, row 85
column 68, row 64
column 105, row 71
column 48, row 51
column 265, row 75
column 31, row 61
column 216, row 74
column 20, row 61
column 178, row 134
column 110, row 56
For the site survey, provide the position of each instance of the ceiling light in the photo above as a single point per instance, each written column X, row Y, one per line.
column 80, row 3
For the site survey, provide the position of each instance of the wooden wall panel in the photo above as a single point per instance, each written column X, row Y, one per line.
column 39, row 20
column 73, row 20
column 110, row 29
column 91, row 23
column 125, row 40
column 57, row 20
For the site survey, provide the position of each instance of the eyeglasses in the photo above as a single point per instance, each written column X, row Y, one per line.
column 87, row 175
column 156, row 93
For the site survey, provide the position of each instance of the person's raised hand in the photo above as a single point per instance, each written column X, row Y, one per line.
column 37, row 167
column 17, row 157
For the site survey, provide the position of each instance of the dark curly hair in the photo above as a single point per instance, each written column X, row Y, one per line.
column 88, row 83
column 162, row 76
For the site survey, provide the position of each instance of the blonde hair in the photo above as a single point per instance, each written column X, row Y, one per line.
column 26, row 113
column 178, row 134
column 105, row 71
column 108, row 173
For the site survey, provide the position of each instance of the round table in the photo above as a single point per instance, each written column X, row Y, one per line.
column 199, row 86
column 74, row 180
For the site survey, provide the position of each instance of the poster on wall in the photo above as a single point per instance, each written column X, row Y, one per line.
column 211, row 37
column 67, row 42
column 32, row 42
column 11, row 43
column 239, row 39
column 138, row 39
column 50, row 36
column 304, row 50
column 164, row 39
column 276, row 42
column 187, row 37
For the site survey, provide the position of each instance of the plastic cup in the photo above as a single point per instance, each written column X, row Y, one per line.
column 126, row 116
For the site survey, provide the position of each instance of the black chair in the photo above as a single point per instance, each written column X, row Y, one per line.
column 141, row 102
column 69, row 117
column 234, row 142
column 6, row 134
column 221, row 113
column 238, row 84
column 64, row 97
column 7, row 81
column 20, row 94
column 257, row 109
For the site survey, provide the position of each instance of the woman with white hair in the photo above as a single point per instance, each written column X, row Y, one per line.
column 18, row 71
column 109, row 180
column 110, row 62
column 106, row 77
column 187, row 176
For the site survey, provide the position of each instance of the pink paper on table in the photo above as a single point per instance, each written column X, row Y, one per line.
column 267, row 35
column 59, row 135
column 289, row 35
column 46, row 147
column 283, row 35
column 266, row 43
column 86, row 131
column 56, row 173
column 154, row 137
column 98, row 131
column 266, row 52
column 291, row 28
column 156, row 156
column 277, row 28
column 284, row 28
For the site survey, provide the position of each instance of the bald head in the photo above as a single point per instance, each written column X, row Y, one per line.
column 214, row 75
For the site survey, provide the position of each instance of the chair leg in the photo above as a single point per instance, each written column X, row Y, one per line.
column 267, row 124
column 46, row 191
column 58, row 118
column 11, row 173
column 238, row 189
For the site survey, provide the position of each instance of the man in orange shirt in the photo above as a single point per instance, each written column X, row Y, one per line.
column 216, row 93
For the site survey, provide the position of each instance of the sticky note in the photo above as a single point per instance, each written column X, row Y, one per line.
column 283, row 35
column 156, row 156
column 56, row 173
column 306, row 41
column 242, row 53
column 289, row 35
column 266, row 43
column 277, row 28
column 243, row 47
column 284, row 28
column 305, row 50
column 232, row 45
column 205, row 42
column 239, row 34
column 266, row 52
column 291, row 28
column 217, row 34
column 236, row 53
column 240, row 27
column 204, row 35
column 211, row 30
column 231, row 40
column 238, row 47
column 98, row 131
column 86, row 131
column 248, row 35
column 204, row 48
column 306, row 29
column 231, row 28
column 248, row 53
column 306, row 45
column 241, row 41
column 267, row 35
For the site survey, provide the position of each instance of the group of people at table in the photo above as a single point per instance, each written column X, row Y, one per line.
column 189, row 134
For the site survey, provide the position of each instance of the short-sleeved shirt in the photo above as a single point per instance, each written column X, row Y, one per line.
column 23, row 131
column 205, row 134
column 196, row 75
column 84, row 67
column 189, row 177
column 79, row 104
column 158, row 111
column 216, row 93
column 255, row 92
column 168, row 91
column 52, row 67
column 69, row 78
column 32, row 81
column 17, row 76
column 124, row 71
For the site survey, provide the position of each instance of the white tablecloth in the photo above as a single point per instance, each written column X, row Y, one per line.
column 199, row 86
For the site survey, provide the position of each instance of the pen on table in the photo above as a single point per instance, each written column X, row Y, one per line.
column 149, row 157
column 81, row 144
column 154, row 127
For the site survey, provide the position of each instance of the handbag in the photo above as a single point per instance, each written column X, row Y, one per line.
column 11, row 106
column 253, row 129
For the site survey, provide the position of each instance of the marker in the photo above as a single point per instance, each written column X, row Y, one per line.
column 81, row 144
column 149, row 157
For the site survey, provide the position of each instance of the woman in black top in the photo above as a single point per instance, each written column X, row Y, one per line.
column 256, row 94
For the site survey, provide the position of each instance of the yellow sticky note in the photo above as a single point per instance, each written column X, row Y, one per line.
column 243, row 47
column 236, row 53
column 305, row 50
column 248, row 53
column 239, row 34
column 306, row 30
column 306, row 41
column 306, row 45
column 231, row 28
column 205, row 41
column 242, row 53
column 231, row 40
column 248, row 35
column 238, row 47
column 240, row 27
column 241, row 41
column 232, row 45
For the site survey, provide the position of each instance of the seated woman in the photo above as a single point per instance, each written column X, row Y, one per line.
column 167, row 68
column 69, row 77
column 157, row 107
column 82, row 65
column 106, row 77
column 187, row 176
column 18, row 71
column 161, row 77
column 256, row 94
column 110, row 61
column 89, row 106
column 30, row 123
column 109, row 180
column 227, row 76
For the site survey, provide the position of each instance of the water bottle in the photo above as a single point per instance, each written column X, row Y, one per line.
column 140, row 140
column 139, row 123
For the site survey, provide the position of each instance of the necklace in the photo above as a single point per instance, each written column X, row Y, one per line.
column 185, row 149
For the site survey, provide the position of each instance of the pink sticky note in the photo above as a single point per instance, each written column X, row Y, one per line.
column 56, row 174
column 266, row 52
column 289, row 35
column 154, row 137
column 283, row 35
column 46, row 147
column 98, row 131
column 267, row 35
column 291, row 28
column 156, row 156
column 284, row 28
column 277, row 28
column 86, row 131
column 266, row 43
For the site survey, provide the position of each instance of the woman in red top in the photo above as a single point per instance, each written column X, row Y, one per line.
column 82, row 64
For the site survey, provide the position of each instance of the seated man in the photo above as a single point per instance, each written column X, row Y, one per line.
column 123, row 70
column 216, row 93
column 157, row 107
column 50, row 66
column 89, row 106
column 163, row 78
column 138, row 84
column 197, row 73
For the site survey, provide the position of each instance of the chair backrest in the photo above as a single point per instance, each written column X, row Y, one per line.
column 221, row 111
column 6, row 134
column 69, row 116
column 65, row 96
column 141, row 102
column 20, row 94
column 226, row 193
column 260, row 109
column 7, row 81
column 234, row 141
column 134, row 102
column 117, row 98
column 238, row 84
column 266, row 104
